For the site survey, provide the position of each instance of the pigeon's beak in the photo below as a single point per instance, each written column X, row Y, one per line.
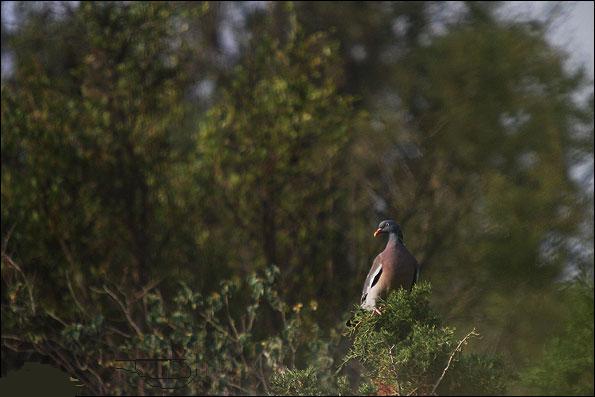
column 377, row 232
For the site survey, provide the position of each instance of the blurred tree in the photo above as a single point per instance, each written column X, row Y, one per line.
column 272, row 151
column 90, row 122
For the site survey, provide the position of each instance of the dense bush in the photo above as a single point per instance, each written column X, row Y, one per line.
column 404, row 351
column 226, row 352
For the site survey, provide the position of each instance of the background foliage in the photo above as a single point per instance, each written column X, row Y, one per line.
column 161, row 160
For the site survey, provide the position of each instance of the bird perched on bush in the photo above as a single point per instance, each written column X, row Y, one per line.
column 393, row 268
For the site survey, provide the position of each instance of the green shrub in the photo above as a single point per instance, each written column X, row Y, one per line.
column 215, row 335
column 405, row 351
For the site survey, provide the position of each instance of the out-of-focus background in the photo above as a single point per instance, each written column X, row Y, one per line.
column 148, row 144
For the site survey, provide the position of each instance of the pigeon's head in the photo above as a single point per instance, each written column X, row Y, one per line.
column 389, row 226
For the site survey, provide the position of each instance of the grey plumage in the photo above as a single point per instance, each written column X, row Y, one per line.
column 393, row 268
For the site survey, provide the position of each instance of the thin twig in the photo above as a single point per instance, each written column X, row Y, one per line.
column 100, row 381
column 14, row 348
column 6, row 238
column 457, row 349
column 124, row 310
column 97, row 290
column 345, row 361
column 67, row 253
column 55, row 317
column 230, row 320
column 12, row 337
column 76, row 301
column 392, row 361
column 261, row 374
column 240, row 388
column 14, row 265
column 152, row 284
column 117, row 331
column 216, row 326
column 235, row 332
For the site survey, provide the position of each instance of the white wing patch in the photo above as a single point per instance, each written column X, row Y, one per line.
column 374, row 276
column 369, row 297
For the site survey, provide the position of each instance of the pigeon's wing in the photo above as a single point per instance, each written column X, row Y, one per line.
column 373, row 277
column 407, row 268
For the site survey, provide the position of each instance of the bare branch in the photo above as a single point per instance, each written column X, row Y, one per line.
column 125, row 310
column 230, row 320
column 260, row 374
column 76, row 301
column 216, row 326
column 152, row 284
column 13, row 337
column 55, row 317
column 6, row 238
column 457, row 349
column 117, row 331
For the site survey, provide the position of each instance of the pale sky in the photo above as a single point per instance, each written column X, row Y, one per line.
column 582, row 43
column 573, row 31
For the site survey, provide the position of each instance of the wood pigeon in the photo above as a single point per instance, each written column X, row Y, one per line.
column 393, row 268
